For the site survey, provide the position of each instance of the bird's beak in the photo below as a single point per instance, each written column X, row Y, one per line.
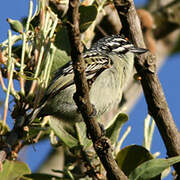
column 138, row 50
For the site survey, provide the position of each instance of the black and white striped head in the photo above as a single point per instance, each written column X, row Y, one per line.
column 116, row 44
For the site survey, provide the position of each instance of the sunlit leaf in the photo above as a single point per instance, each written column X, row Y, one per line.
column 152, row 168
column 63, row 49
column 82, row 135
column 13, row 170
column 113, row 131
column 130, row 157
column 62, row 133
column 15, row 25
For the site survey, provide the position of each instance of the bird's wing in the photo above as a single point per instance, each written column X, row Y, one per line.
column 95, row 64
column 64, row 77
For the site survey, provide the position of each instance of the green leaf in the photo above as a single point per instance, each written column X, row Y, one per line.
column 62, row 40
column 152, row 168
column 130, row 157
column 82, row 135
column 14, row 170
column 15, row 25
column 112, row 132
column 60, row 129
column 34, row 131
column 39, row 176
column 87, row 16
column 60, row 58
column 63, row 49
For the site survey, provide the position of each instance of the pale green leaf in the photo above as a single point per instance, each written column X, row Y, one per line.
column 60, row 130
column 82, row 135
column 112, row 132
column 14, row 170
column 152, row 168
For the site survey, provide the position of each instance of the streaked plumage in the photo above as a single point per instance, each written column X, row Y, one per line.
column 109, row 63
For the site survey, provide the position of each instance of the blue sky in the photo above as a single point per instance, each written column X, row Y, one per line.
column 169, row 77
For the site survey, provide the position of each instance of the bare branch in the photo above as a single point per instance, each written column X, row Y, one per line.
column 100, row 142
column 146, row 67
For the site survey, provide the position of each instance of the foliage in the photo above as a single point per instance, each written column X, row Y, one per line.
column 46, row 47
column 14, row 170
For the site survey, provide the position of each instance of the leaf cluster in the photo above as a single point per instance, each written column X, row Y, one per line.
column 45, row 47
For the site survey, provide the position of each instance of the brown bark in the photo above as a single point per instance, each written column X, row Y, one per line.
column 146, row 68
column 101, row 143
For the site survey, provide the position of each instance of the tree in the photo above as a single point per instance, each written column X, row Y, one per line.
column 41, row 52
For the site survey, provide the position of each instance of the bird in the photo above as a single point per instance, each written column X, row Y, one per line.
column 108, row 65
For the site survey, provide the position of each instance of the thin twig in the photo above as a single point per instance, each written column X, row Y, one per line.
column 149, row 126
column 10, row 71
column 119, row 144
column 2, row 82
column 101, row 143
column 24, row 38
